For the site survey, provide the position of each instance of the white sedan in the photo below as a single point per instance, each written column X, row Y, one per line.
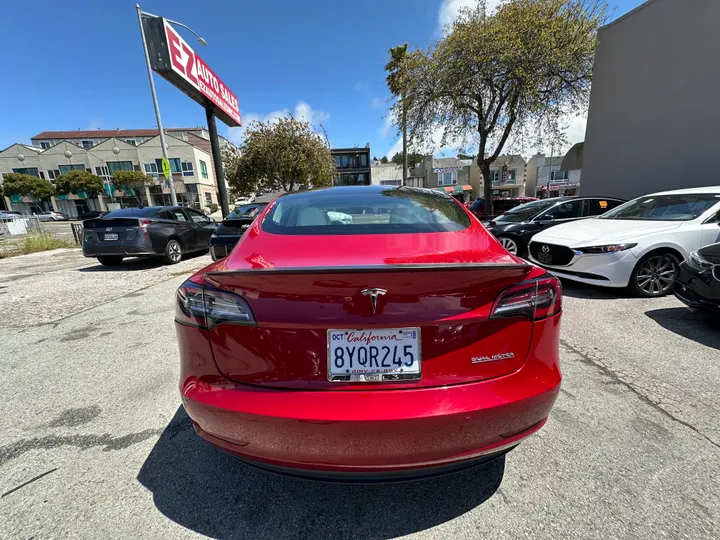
column 639, row 244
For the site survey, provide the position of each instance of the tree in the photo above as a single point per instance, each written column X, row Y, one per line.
column 27, row 185
column 280, row 155
column 78, row 182
column 465, row 156
column 133, row 183
column 397, row 73
column 412, row 158
column 384, row 159
column 504, row 74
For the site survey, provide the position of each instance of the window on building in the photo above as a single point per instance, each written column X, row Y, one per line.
column 102, row 171
column 115, row 166
column 131, row 141
column 42, row 175
column 447, row 178
column 32, row 171
column 203, row 169
column 67, row 168
column 363, row 160
column 208, row 197
column 87, row 145
column 187, row 168
column 45, row 145
column 360, row 179
column 337, row 162
column 175, row 165
column 353, row 161
column 151, row 169
column 559, row 175
column 344, row 161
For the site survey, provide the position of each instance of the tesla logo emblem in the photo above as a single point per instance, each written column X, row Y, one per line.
column 373, row 294
column 546, row 249
column 108, row 229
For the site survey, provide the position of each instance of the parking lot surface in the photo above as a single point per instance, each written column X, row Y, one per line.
column 94, row 442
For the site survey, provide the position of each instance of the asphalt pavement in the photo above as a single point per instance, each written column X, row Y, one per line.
column 94, row 442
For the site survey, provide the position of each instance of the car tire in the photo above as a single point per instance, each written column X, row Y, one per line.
column 654, row 275
column 173, row 252
column 512, row 244
column 110, row 260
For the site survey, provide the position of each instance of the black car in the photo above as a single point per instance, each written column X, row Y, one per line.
column 150, row 231
column 232, row 228
column 515, row 228
column 698, row 281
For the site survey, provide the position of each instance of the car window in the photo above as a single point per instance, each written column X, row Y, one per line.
column 597, row 207
column 665, row 207
column 526, row 211
column 387, row 211
column 196, row 216
column 566, row 210
column 177, row 215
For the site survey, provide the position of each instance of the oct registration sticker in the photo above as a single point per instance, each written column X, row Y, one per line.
column 374, row 355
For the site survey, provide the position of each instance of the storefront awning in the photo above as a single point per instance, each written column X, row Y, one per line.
column 454, row 189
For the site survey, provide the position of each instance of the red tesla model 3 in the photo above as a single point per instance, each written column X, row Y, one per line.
column 368, row 333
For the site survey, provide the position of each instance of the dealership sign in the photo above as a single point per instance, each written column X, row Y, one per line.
column 176, row 61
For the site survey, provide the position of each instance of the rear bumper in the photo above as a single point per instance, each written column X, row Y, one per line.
column 95, row 249
column 357, row 433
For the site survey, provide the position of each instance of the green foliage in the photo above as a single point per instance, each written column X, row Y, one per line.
column 282, row 155
column 25, row 184
column 213, row 207
column 384, row 159
column 135, row 180
column 510, row 75
column 465, row 156
column 78, row 182
column 43, row 241
column 413, row 158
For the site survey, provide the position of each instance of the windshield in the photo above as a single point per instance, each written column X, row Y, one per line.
column 665, row 207
column 365, row 211
column 527, row 211
column 246, row 211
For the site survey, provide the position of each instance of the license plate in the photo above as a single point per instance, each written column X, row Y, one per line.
column 545, row 258
column 111, row 236
column 387, row 354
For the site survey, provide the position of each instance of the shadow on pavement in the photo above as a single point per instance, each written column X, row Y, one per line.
column 136, row 263
column 697, row 326
column 213, row 494
column 575, row 289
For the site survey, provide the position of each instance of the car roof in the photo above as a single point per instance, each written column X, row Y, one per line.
column 712, row 190
column 350, row 190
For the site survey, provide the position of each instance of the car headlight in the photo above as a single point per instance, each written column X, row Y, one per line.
column 698, row 262
column 613, row 248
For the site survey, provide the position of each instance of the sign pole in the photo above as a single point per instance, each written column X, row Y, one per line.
column 217, row 160
column 173, row 195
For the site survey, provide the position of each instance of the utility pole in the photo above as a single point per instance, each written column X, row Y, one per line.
column 173, row 195
column 217, row 160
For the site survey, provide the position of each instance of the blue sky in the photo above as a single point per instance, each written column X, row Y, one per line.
column 79, row 64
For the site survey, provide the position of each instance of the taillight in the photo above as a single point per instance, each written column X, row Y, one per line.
column 143, row 226
column 535, row 299
column 197, row 305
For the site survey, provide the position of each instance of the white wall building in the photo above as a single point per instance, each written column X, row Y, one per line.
column 545, row 177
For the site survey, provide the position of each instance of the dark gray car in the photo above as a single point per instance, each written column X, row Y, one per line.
column 151, row 231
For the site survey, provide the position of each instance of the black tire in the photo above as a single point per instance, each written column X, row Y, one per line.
column 654, row 275
column 513, row 244
column 173, row 252
column 110, row 260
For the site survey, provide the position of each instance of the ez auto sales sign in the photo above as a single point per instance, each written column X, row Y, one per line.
column 175, row 60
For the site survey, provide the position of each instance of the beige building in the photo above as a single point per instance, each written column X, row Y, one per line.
column 191, row 165
column 654, row 109
column 507, row 175
column 546, row 177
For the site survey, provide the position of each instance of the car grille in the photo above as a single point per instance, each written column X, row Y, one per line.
column 553, row 255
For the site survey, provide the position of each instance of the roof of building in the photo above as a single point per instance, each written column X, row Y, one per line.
column 442, row 163
column 106, row 133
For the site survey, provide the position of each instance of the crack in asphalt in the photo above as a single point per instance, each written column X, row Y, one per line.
column 635, row 389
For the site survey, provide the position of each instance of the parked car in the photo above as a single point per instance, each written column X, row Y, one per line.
column 514, row 228
column 405, row 346
column 639, row 244
column 232, row 228
column 245, row 199
column 698, row 282
column 90, row 214
column 153, row 231
column 52, row 216
column 8, row 215
column 500, row 206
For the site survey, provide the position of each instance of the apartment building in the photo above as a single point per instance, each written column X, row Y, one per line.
column 546, row 177
column 353, row 165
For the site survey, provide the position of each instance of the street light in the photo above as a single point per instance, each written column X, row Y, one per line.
column 163, row 145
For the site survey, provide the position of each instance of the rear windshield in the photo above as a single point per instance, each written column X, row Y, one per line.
column 245, row 211
column 132, row 212
column 390, row 211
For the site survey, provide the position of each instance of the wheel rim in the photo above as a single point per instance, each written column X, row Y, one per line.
column 509, row 244
column 656, row 275
column 174, row 251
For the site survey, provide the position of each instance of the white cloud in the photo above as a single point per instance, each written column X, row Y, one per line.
column 388, row 125
column 377, row 103
column 450, row 9
column 303, row 111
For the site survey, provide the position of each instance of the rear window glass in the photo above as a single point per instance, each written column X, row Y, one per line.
column 245, row 211
column 132, row 212
column 358, row 211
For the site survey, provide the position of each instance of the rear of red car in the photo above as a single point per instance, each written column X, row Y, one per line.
column 391, row 336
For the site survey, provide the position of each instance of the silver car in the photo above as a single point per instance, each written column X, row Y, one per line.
column 51, row 216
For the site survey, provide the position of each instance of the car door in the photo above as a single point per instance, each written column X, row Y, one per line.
column 563, row 212
column 184, row 229
column 597, row 207
column 204, row 227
